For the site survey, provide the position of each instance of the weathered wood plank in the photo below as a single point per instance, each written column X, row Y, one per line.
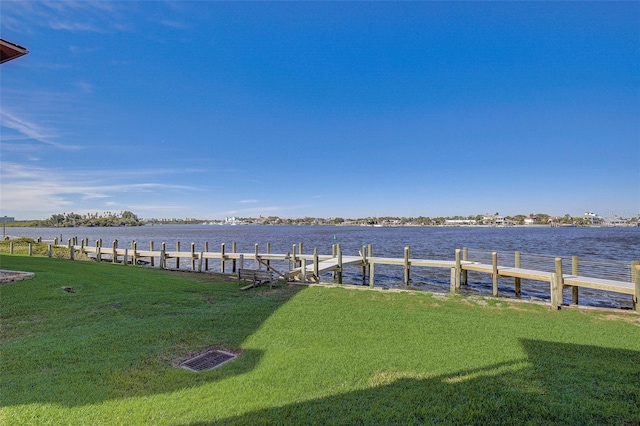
column 600, row 284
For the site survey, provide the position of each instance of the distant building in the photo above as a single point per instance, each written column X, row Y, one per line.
column 615, row 221
column 531, row 220
column 7, row 219
column 496, row 220
column 592, row 218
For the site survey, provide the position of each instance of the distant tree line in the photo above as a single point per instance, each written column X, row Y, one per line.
column 70, row 220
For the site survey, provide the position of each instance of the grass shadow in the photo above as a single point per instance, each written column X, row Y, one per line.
column 121, row 331
column 558, row 383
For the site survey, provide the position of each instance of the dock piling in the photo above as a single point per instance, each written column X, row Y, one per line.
column 316, row 262
column 455, row 283
column 339, row 270
column 134, row 248
column 465, row 273
column 635, row 275
column 234, row 250
column 574, row 271
column 517, row 280
column 222, row 258
column 407, row 251
column 494, row 273
column 556, row 285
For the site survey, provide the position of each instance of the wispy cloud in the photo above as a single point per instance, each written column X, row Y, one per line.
column 45, row 190
column 73, row 16
column 85, row 87
column 75, row 26
column 28, row 130
column 174, row 24
column 251, row 201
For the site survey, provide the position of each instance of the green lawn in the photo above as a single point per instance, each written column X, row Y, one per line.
column 106, row 354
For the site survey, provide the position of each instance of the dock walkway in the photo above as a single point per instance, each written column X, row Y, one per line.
column 606, row 276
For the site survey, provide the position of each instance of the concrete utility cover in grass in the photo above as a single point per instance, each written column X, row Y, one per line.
column 208, row 360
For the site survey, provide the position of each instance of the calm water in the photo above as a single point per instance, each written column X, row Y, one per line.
column 601, row 244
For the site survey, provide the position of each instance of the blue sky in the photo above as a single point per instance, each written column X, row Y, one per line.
column 208, row 110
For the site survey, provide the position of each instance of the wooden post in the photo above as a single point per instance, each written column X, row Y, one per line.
column 72, row 251
column 517, row 280
column 452, row 281
column 256, row 252
column 163, row 256
column 294, row 261
column 222, row 258
column 556, row 285
column 30, row 249
column 178, row 256
column 334, row 253
column 457, row 272
column 234, row 250
column 206, row 261
column 241, row 262
column 465, row 273
column 11, row 247
column 98, row 254
column 494, row 263
column 369, row 255
column 134, row 248
column 114, row 247
column 372, row 274
column 316, row 262
column 193, row 256
column 126, row 257
column 200, row 261
column 363, row 253
column 151, row 250
column 268, row 252
column 575, row 270
column 300, row 249
column 303, row 270
column 339, row 254
column 635, row 276
column 407, row 251
column 50, row 250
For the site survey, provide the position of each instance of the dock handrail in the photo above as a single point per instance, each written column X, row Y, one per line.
column 573, row 272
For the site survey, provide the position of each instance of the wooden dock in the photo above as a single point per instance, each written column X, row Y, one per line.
column 308, row 268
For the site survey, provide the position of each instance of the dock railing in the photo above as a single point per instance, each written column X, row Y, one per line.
column 561, row 273
column 569, row 272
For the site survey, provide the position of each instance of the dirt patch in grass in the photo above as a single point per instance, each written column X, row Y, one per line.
column 631, row 319
column 13, row 276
